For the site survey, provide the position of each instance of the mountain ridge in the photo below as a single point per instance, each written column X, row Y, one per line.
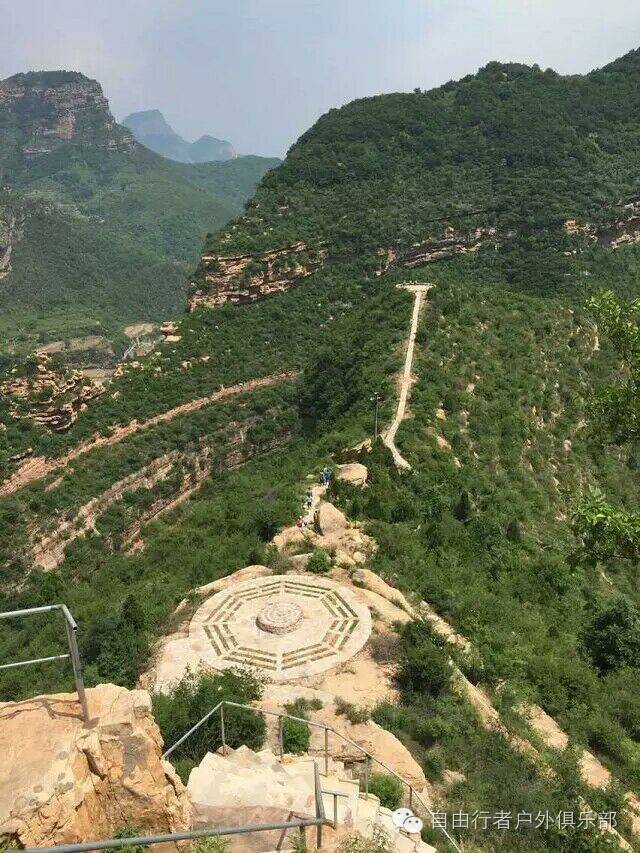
column 151, row 129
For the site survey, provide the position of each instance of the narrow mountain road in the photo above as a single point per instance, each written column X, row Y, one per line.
column 39, row 467
column 389, row 435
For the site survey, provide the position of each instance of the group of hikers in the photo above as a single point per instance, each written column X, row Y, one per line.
column 325, row 478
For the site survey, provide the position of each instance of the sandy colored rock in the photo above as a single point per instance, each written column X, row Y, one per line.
column 343, row 559
column 245, row 574
column 361, row 681
column 544, row 725
column 330, row 521
column 65, row 782
column 353, row 472
column 374, row 582
column 452, row 777
column 383, row 745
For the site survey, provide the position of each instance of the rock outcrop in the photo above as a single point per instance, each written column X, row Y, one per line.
column 353, row 472
column 11, row 230
column 51, row 397
column 245, row 278
column 621, row 229
column 66, row 782
column 49, row 108
column 442, row 248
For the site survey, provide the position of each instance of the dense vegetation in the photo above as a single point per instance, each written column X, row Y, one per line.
column 511, row 146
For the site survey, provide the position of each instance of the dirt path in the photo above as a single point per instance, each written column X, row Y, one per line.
column 39, row 467
column 389, row 435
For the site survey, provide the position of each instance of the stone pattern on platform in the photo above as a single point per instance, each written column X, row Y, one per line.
column 286, row 626
column 289, row 626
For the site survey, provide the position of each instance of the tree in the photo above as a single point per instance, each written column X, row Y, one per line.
column 606, row 531
column 612, row 640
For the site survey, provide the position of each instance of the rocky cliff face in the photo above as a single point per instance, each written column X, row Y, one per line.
column 450, row 244
column 65, row 782
column 41, row 110
column 245, row 278
column 48, row 396
column 620, row 228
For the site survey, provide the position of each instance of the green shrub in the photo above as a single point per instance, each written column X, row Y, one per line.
column 128, row 832
column 612, row 639
column 424, row 666
column 295, row 736
column 388, row 789
column 319, row 562
column 176, row 712
column 209, row 845
column 378, row 843
column 354, row 714
column 433, row 764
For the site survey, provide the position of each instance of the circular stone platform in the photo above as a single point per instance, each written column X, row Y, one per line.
column 288, row 626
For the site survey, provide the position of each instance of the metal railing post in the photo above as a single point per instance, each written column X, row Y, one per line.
column 320, row 813
column 326, row 751
column 410, row 796
column 367, row 767
column 72, row 642
column 281, row 734
column 335, row 810
column 71, row 628
column 222, row 732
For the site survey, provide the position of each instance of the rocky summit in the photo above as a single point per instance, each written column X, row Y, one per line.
column 41, row 110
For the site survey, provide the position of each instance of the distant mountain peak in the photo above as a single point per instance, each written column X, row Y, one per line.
column 148, row 121
column 152, row 130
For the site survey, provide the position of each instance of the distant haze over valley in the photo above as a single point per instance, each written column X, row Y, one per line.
column 152, row 130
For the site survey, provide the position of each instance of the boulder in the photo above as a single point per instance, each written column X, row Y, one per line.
column 291, row 537
column 65, row 782
column 330, row 521
column 353, row 472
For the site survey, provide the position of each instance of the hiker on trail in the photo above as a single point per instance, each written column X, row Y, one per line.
column 309, row 498
column 299, row 521
column 326, row 476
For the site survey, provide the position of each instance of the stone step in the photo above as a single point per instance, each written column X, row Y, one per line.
column 347, row 804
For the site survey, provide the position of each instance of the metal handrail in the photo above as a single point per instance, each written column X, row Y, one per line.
column 71, row 628
column 110, row 843
column 413, row 794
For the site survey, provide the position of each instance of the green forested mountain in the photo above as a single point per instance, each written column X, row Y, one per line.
column 512, row 146
column 104, row 231
column 520, row 188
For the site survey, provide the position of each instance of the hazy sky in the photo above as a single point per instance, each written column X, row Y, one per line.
column 259, row 72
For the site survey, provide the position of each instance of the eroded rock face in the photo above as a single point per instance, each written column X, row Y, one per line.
column 64, row 782
column 11, row 230
column 330, row 521
column 450, row 244
column 246, row 278
column 50, row 108
column 50, row 397
column 622, row 229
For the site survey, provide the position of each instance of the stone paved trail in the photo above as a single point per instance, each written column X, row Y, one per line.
column 39, row 467
column 389, row 435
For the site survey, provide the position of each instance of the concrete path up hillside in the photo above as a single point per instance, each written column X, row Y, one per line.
column 389, row 435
